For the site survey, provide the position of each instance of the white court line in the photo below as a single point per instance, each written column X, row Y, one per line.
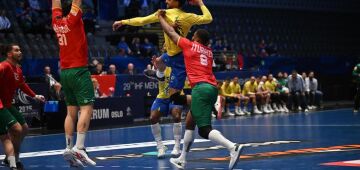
column 169, row 124
column 100, row 148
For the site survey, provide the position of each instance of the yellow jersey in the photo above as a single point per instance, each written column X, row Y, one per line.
column 271, row 86
column 235, row 88
column 183, row 20
column 225, row 91
column 248, row 87
column 164, row 85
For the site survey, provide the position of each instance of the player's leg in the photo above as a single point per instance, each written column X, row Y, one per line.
column 203, row 98
column 357, row 98
column 246, row 103
column 71, row 117
column 24, row 130
column 158, row 107
column 177, row 128
column 189, row 137
column 84, row 92
column 10, row 134
column 254, row 98
column 268, row 102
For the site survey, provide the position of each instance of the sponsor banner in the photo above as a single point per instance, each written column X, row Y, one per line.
column 30, row 108
column 105, row 82
column 113, row 111
column 139, row 88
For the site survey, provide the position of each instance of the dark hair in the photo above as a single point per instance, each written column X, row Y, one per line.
column 4, row 49
column 204, row 36
column 294, row 72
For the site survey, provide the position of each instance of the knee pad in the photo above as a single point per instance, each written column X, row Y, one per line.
column 178, row 99
column 204, row 131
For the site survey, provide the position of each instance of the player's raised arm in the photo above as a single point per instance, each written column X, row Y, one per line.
column 56, row 4
column 138, row 21
column 77, row 3
column 169, row 30
column 205, row 18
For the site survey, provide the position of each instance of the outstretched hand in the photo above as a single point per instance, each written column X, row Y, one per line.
column 40, row 98
column 116, row 25
column 153, row 61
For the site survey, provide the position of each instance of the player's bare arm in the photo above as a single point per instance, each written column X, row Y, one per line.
column 138, row 21
column 77, row 3
column 56, row 4
column 169, row 30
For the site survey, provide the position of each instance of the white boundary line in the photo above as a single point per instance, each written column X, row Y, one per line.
column 101, row 148
column 165, row 125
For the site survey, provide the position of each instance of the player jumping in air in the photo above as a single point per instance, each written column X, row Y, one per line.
column 174, row 57
column 75, row 79
column 198, row 62
column 13, row 127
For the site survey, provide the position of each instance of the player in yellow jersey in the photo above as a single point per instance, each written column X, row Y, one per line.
column 236, row 91
column 250, row 89
column 230, row 98
column 271, row 85
column 182, row 22
column 264, row 95
column 161, row 106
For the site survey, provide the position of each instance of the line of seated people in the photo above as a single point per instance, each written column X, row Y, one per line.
column 268, row 94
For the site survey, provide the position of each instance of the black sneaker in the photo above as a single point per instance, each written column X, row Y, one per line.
column 151, row 74
column 5, row 162
column 19, row 166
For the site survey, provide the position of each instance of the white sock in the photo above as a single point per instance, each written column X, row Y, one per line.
column 159, row 74
column 80, row 140
column 156, row 131
column 177, row 134
column 69, row 141
column 189, row 137
column 12, row 162
column 218, row 138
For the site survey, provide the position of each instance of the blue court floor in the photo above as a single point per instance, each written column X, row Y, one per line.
column 315, row 140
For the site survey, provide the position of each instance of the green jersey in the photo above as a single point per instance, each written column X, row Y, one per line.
column 356, row 73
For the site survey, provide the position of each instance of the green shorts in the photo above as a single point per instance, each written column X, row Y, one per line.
column 203, row 98
column 7, row 120
column 77, row 86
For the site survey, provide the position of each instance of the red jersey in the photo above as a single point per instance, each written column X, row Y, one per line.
column 71, row 37
column 198, row 62
column 11, row 78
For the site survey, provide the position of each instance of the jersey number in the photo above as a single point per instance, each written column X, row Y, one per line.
column 203, row 60
column 62, row 39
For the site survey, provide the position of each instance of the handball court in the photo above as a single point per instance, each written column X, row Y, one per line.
column 315, row 140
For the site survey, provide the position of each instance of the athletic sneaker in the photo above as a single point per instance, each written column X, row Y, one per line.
column 178, row 163
column 151, row 74
column 19, row 166
column 14, row 168
column 81, row 154
column 5, row 162
column 235, row 155
column 175, row 152
column 161, row 152
column 355, row 111
column 70, row 157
